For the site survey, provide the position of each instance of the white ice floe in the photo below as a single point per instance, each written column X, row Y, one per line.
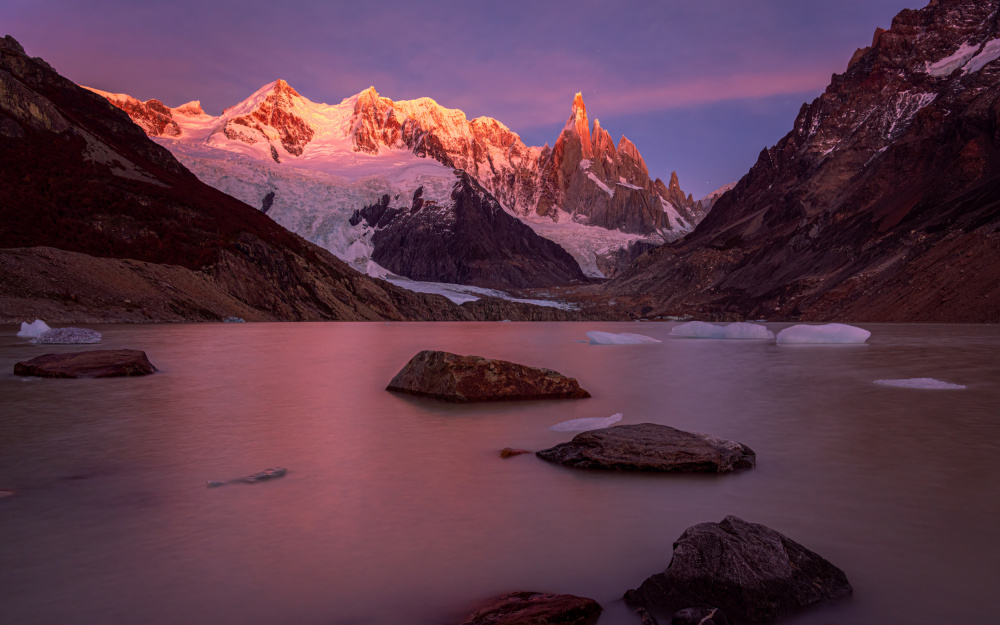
column 587, row 423
column 29, row 330
column 67, row 336
column 625, row 338
column 739, row 330
column 920, row 383
column 828, row 333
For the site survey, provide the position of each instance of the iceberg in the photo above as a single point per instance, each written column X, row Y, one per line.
column 30, row 330
column 920, row 383
column 67, row 336
column 739, row 330
column 625, row 338
column 587, row 423
column 829, row 333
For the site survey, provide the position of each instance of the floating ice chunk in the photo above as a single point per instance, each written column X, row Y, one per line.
column 29, row 330
column 829, row 333
column 68, row 336
column 625, row 338
column 920, row 383
column 702, row 330
column 587, row 423
column 233, row 320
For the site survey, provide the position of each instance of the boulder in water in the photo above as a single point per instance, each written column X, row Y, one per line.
column 535, row 608
column 651, row 447
column 750, row 571
column 92, row 364
column 451, row 377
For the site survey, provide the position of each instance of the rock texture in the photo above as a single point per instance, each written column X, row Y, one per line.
column 585, row 174
column 79, row 176
column 68, row 336
column 451, row 377
column 470, row 240
column 651, row 447
column 535, row 608
column 92, row 364
column 879, row 205
column 751, row 572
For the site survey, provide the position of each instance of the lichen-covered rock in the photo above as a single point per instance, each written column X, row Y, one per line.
column 534, row 608
column 93, row 364
column 750, row 571
column 451, row 377
column 651, row 447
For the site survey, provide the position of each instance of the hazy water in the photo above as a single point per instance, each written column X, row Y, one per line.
column 398, row 510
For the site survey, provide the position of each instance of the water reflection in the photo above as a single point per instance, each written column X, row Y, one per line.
column 398, row 509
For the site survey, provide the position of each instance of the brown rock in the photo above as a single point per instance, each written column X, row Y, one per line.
column 534, row 608
column 451, row 377
column 651, row 447
column 92, row 364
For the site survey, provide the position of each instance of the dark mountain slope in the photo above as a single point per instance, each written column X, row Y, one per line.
column 879, row 205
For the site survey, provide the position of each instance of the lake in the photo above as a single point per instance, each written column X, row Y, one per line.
column 399, row 510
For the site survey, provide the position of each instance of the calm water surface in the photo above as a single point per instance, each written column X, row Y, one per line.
column 398, row 510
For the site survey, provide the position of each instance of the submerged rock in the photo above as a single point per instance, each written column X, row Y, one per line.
column 748, row 570
column 68, row 336
column 266, row 474
column 699, row 616
column 92, row 364
column 535, row 608
column 451, row 377
column 651, row 447
column 507, row 452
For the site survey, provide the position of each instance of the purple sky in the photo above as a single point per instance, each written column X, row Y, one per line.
column 700, row 86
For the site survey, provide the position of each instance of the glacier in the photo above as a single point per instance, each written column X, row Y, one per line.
column 831, row 333
column 926, row 383
column 624, row 338
column 68, row 336
column 33, row 329
column 703, row 330
column 587, row 423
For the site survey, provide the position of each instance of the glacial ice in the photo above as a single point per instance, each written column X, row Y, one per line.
column 33, row 329
column 828, row 333
column 625, row 338
column 739, row 330
column 66, row 336
column 920, row 383
column 587, row 423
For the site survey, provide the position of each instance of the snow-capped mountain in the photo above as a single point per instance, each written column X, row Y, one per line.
column 310, row 166
column 879, row 205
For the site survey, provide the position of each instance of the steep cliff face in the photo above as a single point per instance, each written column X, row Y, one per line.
column 586, row 176
column 878, row 205
column 79, row 176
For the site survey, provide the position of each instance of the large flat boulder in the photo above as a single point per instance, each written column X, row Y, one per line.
column 93, row 364
column 651, row 447
column 451, row 377
column 750, row 571
column 535, row 608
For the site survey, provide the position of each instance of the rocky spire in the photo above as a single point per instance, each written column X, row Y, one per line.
column 578, row 121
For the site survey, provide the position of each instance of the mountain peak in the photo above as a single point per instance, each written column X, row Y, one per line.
column 579, row 108
column 674, row 182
